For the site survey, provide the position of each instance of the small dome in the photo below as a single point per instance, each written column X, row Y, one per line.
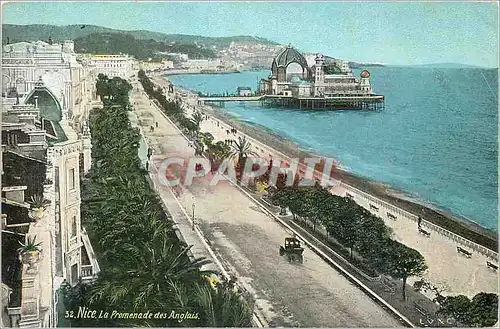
column 290, row 55
column 365, row 74
column 295, row 79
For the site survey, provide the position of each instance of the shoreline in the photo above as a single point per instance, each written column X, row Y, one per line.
column 461, row 226
column 188, row 71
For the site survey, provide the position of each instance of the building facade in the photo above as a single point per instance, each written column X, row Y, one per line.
column 156, row 66
column 323, row 79
column 47, row 95
column 69, row 77
column 122, row 66
column 244, row 91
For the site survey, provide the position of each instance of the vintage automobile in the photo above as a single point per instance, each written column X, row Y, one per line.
column 292, row 250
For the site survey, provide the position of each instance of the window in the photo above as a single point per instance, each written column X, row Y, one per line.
column 73, row 227
column 74, row 274
column 72, row 179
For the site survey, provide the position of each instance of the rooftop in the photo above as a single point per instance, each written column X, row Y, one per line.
column 290, row 55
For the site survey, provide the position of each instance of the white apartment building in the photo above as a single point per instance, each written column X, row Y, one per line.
column 122, row 66
column 204, row 64
column 177, row 56
column 156, row 66
column 47, row 93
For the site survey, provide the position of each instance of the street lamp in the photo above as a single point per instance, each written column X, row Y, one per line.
column 193, row 214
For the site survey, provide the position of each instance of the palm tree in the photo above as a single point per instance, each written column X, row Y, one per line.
column 197, row 119
column 143, row 263
column 222, row 307
column 242, row 150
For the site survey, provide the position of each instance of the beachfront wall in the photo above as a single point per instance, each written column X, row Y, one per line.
column 385, row 208
column 449, row 270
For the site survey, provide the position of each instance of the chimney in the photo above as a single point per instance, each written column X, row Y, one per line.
column 50, row 40
column 8, row 40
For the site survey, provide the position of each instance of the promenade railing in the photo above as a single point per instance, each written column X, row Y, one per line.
column 405, row 214
column 394, row 210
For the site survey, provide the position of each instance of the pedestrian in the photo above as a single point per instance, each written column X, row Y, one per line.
column 157, row 125
column 419, row 222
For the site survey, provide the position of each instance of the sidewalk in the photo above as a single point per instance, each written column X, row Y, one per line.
column 186, row 230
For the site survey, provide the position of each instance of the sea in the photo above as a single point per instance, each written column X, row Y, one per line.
column 436, row 140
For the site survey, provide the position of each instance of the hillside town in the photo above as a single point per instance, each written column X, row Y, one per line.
column 236, row 57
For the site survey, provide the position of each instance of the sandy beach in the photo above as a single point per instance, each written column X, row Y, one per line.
column 467, row 229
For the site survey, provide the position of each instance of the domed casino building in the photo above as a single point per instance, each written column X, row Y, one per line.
column 322, row 83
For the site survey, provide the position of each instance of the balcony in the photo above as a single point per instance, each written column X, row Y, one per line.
column 87, row 272
column 89, row 268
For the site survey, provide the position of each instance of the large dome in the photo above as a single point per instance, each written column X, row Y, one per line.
column 290, row 55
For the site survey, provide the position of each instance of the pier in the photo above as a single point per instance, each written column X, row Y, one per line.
column 359, row 102
column 230, row 99
column 326, row 85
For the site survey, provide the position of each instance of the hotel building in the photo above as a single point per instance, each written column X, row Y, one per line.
column 47, row 94
column 122, row 66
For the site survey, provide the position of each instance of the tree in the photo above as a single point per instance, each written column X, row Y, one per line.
column 458, row 307
column 402, row 262
column 242, row 150
column 349, row 224
column 207, row 138
column 484, row 310
column 481, row 311
column 217, row 153
column 222, row 307
column 197, row 119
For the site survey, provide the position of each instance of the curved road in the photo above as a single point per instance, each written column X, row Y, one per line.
column 311, row 294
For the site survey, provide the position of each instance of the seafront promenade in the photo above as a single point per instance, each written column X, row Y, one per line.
column 247, row 239
column 450, row 271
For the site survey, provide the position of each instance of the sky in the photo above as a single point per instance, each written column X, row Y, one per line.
column 397, row 33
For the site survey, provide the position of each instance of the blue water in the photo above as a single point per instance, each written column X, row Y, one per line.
column 436, row 139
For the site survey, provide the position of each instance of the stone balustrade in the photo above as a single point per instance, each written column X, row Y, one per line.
column 400, row 213
column 391, row 210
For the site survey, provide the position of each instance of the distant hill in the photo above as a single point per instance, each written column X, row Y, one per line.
column 115, row 43
column 356, row 65
column 444, row 66
column 35, row 32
